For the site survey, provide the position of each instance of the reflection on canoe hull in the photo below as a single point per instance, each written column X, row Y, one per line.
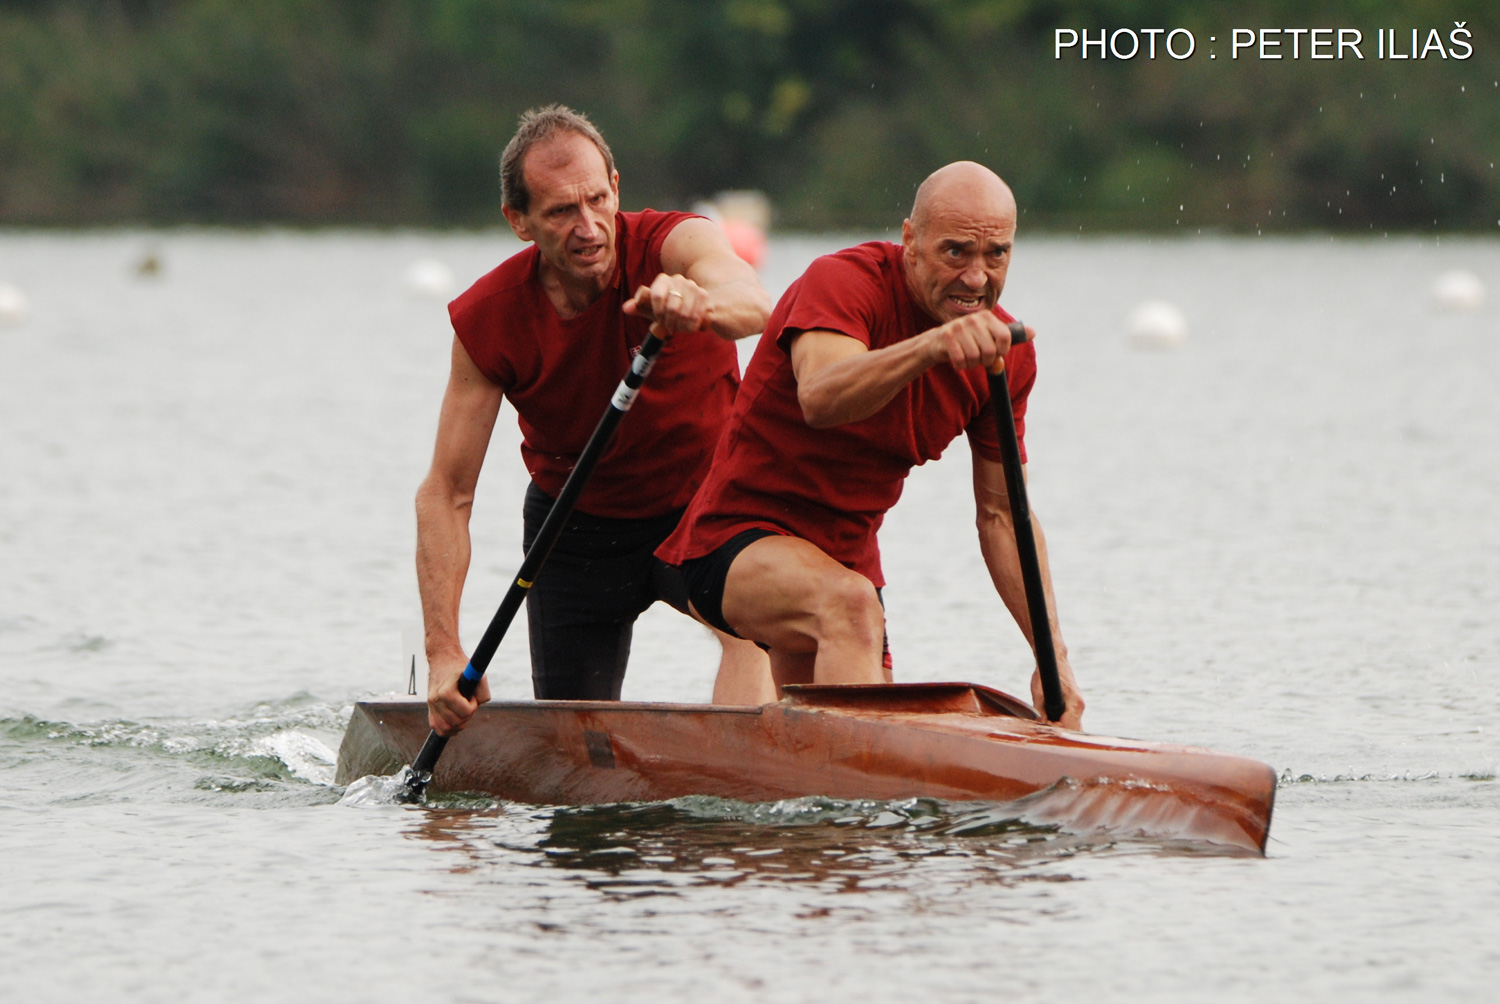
column 954, row 741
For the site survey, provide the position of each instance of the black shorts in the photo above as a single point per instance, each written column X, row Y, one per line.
column 582, row 609
column 701, row 580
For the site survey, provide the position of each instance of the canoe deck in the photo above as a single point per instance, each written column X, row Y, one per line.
column 954, row 741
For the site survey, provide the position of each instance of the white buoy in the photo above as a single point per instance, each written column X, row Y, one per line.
column 1458, row 292
column 13, row 304
column 1156, row 324
column 430, row 277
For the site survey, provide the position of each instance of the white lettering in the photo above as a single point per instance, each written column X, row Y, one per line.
column 1089, row 41
column 1434, row 41
column 1235, row 45
column 1135, row 43
column 1351, row 43
column 1151, row 34
column 1272, row 42
column 1459, row 29
column 1058, row 45
column 1192, row 43
column 1294, row 32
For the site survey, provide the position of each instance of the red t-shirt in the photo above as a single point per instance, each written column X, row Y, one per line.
column 560, row 374
column 833, row 486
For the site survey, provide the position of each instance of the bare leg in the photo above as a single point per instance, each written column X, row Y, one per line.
column 787, row 593
column 791, row 667
column 744, row 673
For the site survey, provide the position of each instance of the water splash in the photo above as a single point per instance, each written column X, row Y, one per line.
column 305, row 756
column 374, row 790
column 271, row 745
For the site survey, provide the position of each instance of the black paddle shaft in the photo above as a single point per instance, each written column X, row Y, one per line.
column 1020, row 513
column 552, row 527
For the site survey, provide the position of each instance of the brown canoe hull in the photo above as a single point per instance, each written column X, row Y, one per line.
column 949, row 741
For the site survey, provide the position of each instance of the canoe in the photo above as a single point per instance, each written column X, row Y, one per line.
column 954, row 741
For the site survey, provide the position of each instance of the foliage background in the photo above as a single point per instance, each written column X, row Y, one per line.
column 391, row 112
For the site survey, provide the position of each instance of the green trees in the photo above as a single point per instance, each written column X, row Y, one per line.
column 393, row 111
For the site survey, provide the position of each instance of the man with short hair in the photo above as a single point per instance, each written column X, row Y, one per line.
column 873, row 361
column 553, row 329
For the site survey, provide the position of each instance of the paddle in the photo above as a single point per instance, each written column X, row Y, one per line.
column 1020, row 512
column 420, row 775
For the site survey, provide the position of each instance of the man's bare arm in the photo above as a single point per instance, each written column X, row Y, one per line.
column 444, row 503
column 997, row 542
column 840, row 379
column 704, row 284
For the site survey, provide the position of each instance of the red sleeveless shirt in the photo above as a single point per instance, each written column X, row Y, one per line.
column 560, row 374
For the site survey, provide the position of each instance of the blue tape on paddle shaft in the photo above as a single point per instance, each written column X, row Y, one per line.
column 471, row 674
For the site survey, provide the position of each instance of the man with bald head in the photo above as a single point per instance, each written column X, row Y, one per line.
column 873, row 362
column 552, row 329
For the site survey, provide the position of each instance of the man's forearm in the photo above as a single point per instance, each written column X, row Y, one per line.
column 997, row 542
column 859, row 384
column 442, row 565
column 738, row 309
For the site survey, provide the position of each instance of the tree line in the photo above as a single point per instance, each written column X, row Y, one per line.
column 392, row 112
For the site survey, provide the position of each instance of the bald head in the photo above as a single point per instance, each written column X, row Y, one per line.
column 963, row 190
column 958, row 240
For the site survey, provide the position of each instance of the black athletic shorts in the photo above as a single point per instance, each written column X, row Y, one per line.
column 701, row 580
column 581, row 611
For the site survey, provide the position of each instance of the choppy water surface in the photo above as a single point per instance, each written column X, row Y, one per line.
column 1278, row 540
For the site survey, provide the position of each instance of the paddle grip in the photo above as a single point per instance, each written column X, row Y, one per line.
column 1018, row 336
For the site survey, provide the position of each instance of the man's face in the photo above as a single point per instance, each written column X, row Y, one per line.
column 957, row 257
column 572, row 212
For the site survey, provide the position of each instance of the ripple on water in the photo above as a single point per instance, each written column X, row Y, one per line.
column 281, row 748
column 635, row 850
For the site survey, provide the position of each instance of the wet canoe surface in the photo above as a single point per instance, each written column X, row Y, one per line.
column 954, row 741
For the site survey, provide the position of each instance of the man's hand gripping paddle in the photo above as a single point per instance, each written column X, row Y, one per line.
column 1020, row 511
column 419, row 775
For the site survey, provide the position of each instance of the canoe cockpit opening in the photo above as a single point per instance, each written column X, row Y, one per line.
column 911, row 698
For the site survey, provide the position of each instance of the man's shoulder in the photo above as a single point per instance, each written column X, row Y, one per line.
column 871, row 254
column 651, row 224
column 650, row 227
column 876, row 260
column 513, row 273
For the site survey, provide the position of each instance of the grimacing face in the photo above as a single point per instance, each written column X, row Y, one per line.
column 571, row 216
column 956, row 262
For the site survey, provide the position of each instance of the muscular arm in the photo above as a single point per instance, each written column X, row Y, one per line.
column 840, row 379
column 715, row 288
column 444, row 502
column 997, row 542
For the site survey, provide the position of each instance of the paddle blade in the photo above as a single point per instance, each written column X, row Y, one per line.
column 400, row 788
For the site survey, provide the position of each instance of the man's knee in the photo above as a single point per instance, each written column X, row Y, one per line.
column 848, row 606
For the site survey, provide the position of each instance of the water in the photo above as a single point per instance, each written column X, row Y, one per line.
column 1278, row 540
